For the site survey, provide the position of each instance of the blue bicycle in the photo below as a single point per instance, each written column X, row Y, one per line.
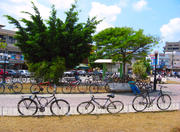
column 16, row 87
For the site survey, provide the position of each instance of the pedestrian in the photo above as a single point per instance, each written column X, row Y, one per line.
column 159, row 78
column 134, row 88
column 76, row 75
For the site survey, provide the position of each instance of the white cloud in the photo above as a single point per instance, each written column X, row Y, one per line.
column 103, row 25
column 171, row 31
column 140, row 5
column 62, row 4
column 14, row 8
column 107, row 13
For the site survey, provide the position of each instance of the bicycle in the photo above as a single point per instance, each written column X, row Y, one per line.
column 37, row 87
column 77, row 84
column 141, row 102
column 16, row 87
column 89, row 106
column 30, row 105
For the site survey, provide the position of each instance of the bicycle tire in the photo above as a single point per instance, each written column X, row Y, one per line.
column 141, row 101
column 82, row 88
column 115, row 105
column 51, row 89
column 24, row 109
column 17, row 87
column 34, row 88
column 85, row 106
column 161, row 101
column 66, row 89
column 94, row 88
column 60, row 107
column 2, row 88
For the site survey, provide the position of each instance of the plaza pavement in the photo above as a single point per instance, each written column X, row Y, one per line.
column 8, row 102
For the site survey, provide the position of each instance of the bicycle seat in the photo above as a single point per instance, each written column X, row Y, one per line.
column 35, row 92
column 110, row 95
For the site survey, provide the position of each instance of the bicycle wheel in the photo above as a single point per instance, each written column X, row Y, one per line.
column 27, row 106
column 2, row 88
column 17, row 87
column 34, row 88
column 51, row 89
column 93, row 88
column 66, row 89
column 60, row 107
column 85, row 108
column 139, row 103
column 115, row 107
column 164, row 102
column 82, row 88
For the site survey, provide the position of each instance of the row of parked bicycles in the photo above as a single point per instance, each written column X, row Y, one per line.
column 91, row 84
column 34, row 103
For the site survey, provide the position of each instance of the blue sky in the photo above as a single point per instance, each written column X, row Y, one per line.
column 157, row 17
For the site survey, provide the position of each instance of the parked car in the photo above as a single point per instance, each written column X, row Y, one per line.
column 24, row 73
column 2, row 72
column 13, row 73
column 69, row 73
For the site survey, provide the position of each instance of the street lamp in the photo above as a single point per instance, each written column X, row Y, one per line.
column 155, row 80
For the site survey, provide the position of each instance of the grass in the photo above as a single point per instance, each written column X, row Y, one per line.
column 131, row 122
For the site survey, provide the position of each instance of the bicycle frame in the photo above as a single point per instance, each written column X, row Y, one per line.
column 101, row 106
column 43, row 83
column 150, row 99
column 38, row 98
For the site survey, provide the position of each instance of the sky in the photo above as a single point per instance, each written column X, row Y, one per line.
column 160, row 18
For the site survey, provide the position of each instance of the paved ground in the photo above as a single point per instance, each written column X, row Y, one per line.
column 8, row 103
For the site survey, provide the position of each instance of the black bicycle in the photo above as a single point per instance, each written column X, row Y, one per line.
column 141, row 102
column 30, row 105
column 89, row 106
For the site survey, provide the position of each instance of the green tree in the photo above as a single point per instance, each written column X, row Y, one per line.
column 51, row 46
column 121, row 44
column 141, row 68
column 3, row 44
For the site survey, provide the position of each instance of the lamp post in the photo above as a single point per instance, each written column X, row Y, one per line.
column 155, row 80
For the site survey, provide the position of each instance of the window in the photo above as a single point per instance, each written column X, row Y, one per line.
column 11, row 40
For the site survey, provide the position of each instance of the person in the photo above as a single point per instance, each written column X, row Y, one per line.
column 159, row 78
column 76, row 75
column 134, row 88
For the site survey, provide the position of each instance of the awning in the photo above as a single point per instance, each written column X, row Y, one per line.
column 103, row 61
column 82, row 66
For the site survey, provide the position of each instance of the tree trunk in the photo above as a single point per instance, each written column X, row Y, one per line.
column 124, row 71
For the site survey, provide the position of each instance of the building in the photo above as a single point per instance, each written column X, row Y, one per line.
column 172, row 46
column 11, row 55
